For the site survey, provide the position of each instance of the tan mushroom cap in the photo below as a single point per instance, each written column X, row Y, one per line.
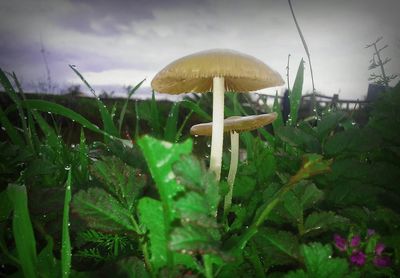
column 195, row 73
column 236, row 123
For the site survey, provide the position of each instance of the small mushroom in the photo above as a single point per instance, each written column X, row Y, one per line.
column 217, row 70
column 234, row 125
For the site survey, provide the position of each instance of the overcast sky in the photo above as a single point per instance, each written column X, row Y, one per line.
column 120, row 42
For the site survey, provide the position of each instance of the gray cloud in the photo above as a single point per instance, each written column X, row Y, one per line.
column 124, row 41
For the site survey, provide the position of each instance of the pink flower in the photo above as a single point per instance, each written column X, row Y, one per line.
column 382, row 261
column 358, row 258
column 355, row 241
column 370, row 232
column 379, row 248
column 340, row 242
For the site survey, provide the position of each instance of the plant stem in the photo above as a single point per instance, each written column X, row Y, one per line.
column 217, row 138
column 314, row 103
column 208, row 266
column 232, row 169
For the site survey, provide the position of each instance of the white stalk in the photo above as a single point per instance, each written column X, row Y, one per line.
column 232, row 169
column 217, row 138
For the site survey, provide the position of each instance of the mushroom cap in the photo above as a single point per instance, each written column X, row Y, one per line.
column 236, row 123
column 194, row 73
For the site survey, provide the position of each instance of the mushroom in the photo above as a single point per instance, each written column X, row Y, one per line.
column 216, row 70
column 234, row 125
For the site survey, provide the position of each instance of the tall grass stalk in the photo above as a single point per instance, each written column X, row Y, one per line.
column 314, row 103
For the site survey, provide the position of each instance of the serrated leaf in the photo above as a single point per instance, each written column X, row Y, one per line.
column 319, row 262
column 194, row 208
column 298, row 138
column 193, row 239
column 320, row 221
column 102, row 211
column 120, row 179
column 151, row 216
column 160, row 157
column 310, row 196
column 277, row 247
column 293, row 206
column 329, row 122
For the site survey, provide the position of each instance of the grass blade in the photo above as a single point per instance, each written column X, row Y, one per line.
column 295, row 94
column 22, row 230
column 154, row 115
column 66, row 243
column 172, row 122
column 196, row 109
column 276, row 107
column 58, row 109
column 123, row 110
column 106, row 117
column 11, row 131
column 13, row 95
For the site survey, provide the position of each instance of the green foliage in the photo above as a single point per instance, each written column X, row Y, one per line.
column 196, row 208
column 319, row 263
column 65, row 238
column 102, row 211
column 22, row 230
column 295, row 94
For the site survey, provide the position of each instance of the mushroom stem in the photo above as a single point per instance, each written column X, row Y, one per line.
column 217, row 138
column 232, row 169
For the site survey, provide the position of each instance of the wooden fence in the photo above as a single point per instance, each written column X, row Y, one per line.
column 306, row 102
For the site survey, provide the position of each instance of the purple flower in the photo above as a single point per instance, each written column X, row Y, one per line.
column 355, row 241
column 382, row 261
column 340, row 242
column 358, row 258
column 379, row 248
column 370, row 232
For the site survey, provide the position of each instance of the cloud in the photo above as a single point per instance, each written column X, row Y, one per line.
column 123, row 41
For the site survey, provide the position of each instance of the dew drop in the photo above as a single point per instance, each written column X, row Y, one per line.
column 68, row 167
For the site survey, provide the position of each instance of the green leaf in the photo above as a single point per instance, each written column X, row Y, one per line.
column 196, row 108
column 329, row 122
column 10, row 129
column 65, row 239
column 277, row 247
column 6, row 206
column 22, row 230
column 295, row 94
column 123, row 110
column 48, row 265
column 192, row 239
column 353, row 141
column 102, row 211
column 132, row 267
column 319, row 263
column 321, row 221
column 293, row 206
column 151, row 216
column 310, row 195
column 154, row 115
column 47, row 106
column 160, row 157
column 123, row 181
column 172, row 122
column 276, row 107
column 108, row 124
column 298, row 138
